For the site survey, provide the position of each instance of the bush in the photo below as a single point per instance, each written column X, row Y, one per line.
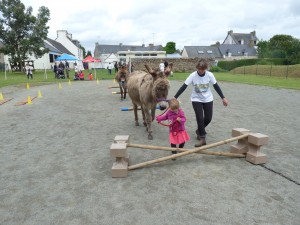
column 216, row 69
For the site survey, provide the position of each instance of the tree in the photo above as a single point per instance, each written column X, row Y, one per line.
column 170, row 47
column 88, row 53
column 22, row 33
column 280, row 46
column 83, row 51
column 263, row 49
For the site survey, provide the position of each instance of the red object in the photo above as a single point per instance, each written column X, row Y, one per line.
column 90, row 59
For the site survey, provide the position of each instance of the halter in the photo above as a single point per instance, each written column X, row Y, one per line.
column 162, row 99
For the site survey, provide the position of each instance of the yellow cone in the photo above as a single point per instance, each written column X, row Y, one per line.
column 40, row 94
column 69, row 82
column 1, row 96
column 29, row 102
column 27, row 86
column 59, row 85
column 114, row 81
column 97, row 81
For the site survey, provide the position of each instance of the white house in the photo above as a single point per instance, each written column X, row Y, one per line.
column 123, row 53
column 66, row 40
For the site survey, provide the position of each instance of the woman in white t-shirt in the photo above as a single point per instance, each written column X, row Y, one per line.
column 202, row 97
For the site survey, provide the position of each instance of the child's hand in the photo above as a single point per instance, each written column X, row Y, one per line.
column 157, row 119
column 178, row 119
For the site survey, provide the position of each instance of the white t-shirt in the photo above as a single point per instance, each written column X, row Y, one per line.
column 201, row 90
column 162, row 67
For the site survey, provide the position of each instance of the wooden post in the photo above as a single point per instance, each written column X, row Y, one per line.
column 152, row 147
column 187, row 152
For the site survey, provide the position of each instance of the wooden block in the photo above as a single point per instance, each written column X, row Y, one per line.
column 257, row 158
column 239, row 131
column 121, row 139
column 240, row 148
column 258, row 139
column 127, row 159
column 118, row 150
column 119, row 168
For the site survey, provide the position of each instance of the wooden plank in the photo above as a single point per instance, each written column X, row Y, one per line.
column 202, row 148
column 151, row 147
column 4, row 101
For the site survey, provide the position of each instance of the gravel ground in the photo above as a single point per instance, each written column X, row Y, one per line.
column 55, row 166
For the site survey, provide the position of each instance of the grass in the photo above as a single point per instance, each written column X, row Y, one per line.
column 39, row 78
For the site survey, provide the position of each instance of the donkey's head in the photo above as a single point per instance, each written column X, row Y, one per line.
column 161, row 86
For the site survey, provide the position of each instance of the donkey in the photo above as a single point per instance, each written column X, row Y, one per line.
column 147, row 90
column 122, row 77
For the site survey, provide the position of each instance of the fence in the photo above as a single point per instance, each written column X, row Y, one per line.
column 286, row 71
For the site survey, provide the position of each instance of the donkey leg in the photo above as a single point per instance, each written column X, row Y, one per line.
column 121, row 90
column 149, row 127
column 153, row 113
column 135, row 115
column 143, row 114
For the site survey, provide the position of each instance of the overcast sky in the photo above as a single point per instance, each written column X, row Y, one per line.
column 185, row 22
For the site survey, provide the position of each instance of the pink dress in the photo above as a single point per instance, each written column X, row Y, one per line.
column 178, row 134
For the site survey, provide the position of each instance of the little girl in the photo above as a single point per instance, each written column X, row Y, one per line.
column 175, row 115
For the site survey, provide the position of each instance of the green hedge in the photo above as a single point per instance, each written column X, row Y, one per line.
column 229, row 65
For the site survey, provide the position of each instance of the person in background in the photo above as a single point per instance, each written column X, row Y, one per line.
column 29, row 70
column 116, row 67
column 67, row 67
column 202, row 97
column 90, row 76
column 81, row 75
column 162, row 66
column 110, row 67
column 55, row 70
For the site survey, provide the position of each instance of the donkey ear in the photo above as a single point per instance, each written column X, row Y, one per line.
column 149, row 69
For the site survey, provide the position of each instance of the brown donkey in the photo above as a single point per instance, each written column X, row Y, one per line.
column 147, row 90
column 122, row 77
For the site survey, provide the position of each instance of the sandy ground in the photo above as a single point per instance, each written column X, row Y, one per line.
column 55, row 166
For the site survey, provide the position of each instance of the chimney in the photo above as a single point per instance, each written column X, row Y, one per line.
column 61, row 33
column 151, row 45
column 69, row 36
column 120, row 44
column 230, row 32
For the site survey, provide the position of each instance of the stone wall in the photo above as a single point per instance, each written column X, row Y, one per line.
column 179, row 65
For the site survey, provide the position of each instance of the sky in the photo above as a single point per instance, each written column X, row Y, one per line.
column 187, row 23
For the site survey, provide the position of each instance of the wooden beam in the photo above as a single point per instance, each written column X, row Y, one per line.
column 152, row 147
column 202, row 148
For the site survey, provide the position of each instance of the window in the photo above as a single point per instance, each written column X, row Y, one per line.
column 122, row 54
column 138, row 54
column 209, row 52
column 146, row 54
column 153, row 54
column 200, row 52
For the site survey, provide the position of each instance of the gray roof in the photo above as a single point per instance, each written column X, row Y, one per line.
column 237, row 50
column 108, row 49
column 59, row 46
column 203, row 51
column 51, row 48
column 242, row 36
